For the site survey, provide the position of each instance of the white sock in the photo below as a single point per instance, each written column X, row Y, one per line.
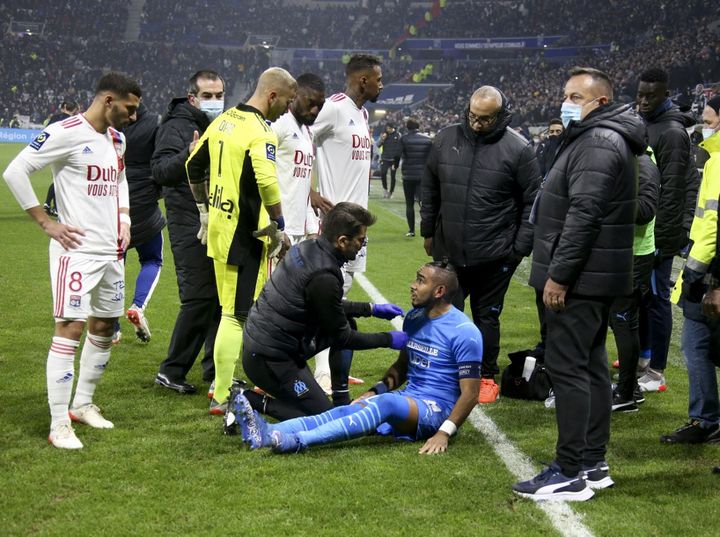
column 60, row 371
column 322, row 363
column 93, row 359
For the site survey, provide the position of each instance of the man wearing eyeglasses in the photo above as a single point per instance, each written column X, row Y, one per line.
column 477, row 191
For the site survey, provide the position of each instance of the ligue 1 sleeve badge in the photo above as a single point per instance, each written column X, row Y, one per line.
column 39, row 140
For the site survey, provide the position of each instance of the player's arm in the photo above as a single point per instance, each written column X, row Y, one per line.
column 196, row 168
column 41, row 152
column 263, row 152
column 123, row 207
column 318, row 203
column 467, row 348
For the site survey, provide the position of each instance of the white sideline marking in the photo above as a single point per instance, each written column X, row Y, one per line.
column 566, row 521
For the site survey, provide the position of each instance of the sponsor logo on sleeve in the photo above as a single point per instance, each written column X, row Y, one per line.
column 270, row 151
column 39, row 140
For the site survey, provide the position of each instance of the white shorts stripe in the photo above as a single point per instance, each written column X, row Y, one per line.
column 60, row 286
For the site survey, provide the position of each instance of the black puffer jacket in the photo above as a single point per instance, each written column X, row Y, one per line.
column 585, row 215
column 415, row 151
column 147, row 218
column 477, row 192
column 171, row 151
column 680, row 179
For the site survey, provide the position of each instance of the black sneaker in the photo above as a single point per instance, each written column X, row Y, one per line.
column 180, row 386
column 551, row 484
column 597, row 476
column 638, row 395
column 619, row 404
column 692, row 433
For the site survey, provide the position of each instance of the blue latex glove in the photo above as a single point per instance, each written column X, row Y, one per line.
column 387, row 311
column 399, row 340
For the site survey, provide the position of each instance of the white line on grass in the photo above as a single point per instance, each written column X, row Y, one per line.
column 563, row 518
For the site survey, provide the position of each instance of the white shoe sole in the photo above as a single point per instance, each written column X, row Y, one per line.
column 604, row 483
column 580, row 496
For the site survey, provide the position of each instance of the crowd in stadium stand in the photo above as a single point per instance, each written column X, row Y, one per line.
column 41, row 71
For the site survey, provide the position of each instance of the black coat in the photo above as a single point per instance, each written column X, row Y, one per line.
column 391, row 148
column 194, row 269
column 679, row 178
column 477, row 192
column 147, row 218
column 585, row 213
column 415, row 151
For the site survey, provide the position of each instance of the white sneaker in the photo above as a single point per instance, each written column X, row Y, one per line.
column 63, row 436
column 117, row 336
column 137, row 317
column 652, row 381
column 323, row 379
column 90, row 415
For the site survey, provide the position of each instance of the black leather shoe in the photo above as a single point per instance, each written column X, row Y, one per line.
column 179, row 386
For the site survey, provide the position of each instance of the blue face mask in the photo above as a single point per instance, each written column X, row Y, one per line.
column 570, row 112
column 212, row 109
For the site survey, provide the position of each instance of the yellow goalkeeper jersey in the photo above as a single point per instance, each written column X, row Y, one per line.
column 238, row 150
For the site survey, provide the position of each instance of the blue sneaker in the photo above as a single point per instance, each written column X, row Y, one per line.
column 598, row 476
column 552, row 485
column 286, row 442
column 253, row 428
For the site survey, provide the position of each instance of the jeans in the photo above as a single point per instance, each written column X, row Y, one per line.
column 703, row 400
column 660, row 313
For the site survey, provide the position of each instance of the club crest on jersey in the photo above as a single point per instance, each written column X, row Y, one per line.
column 300, row 387
column 39, row 140
column 270, row 151
column 74, row 301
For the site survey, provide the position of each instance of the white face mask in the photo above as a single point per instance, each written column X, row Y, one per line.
column 570, row 112
column 212, row 109
column 707, row 133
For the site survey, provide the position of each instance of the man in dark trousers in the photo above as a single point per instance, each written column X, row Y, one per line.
column 389, row 142
column 300, row 311
column 679, row 182
column 479, row 185
column 415, row 148
column 584, row 220
column 199, row 315
column 145, row 214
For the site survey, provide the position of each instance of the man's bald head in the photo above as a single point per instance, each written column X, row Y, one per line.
column 275, row 90
column 485, row 105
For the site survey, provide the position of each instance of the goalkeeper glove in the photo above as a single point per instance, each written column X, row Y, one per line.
column 203, row 233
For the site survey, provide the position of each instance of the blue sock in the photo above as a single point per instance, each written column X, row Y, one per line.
column 307, row 423
column 150, row 254
column 388, row 407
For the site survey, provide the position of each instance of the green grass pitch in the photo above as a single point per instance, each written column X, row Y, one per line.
column 167, row 470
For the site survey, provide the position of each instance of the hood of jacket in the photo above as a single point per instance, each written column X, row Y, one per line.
column 180, row 108
column 620, row 118
column 686, row 119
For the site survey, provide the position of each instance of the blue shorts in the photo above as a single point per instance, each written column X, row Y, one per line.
column 431, row 415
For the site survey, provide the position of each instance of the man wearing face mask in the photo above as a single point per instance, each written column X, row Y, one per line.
column 584, row 220
column 700, row 301
column 199, row 315
column 546, row 151
column 670, row 142
column 477, row 191
column 238, row 205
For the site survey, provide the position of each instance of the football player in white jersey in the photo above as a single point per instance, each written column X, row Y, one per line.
column 344, row 153
column 295, row 157
column 87, row 242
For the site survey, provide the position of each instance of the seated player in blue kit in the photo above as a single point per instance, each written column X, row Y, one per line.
column 441, row 365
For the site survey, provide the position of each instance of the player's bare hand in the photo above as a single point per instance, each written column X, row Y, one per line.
column 319, row 204
column 67, row 236
column 194, row 142
column 438, row 443
column 428, row 244
column 554, row 295
column 124, row 236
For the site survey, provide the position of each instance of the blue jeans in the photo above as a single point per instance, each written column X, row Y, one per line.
column 703, row 401
column 659, row 313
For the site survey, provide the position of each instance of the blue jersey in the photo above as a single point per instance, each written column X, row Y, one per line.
column 440, row 352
